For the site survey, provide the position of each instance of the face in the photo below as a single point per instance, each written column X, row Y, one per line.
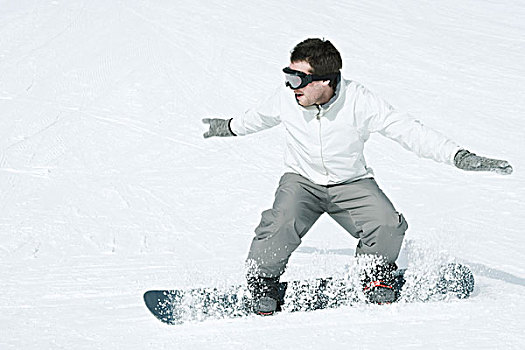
column 317, row 92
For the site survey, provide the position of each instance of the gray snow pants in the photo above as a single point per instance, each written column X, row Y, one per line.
column 360, row 207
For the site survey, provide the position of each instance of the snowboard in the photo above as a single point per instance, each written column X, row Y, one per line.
column 178, row 306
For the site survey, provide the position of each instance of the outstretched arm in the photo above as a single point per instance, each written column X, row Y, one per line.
column 425, row 141
column 264, row 116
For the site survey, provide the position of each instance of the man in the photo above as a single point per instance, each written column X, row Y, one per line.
column 327, row 121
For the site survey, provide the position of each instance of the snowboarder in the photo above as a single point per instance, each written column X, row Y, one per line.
column 327, row 120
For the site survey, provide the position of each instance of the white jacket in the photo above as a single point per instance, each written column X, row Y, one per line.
column 325, row 143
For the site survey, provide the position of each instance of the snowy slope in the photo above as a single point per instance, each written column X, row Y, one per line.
column 108, row 189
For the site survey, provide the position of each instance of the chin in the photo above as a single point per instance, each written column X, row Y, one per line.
column 302, row 102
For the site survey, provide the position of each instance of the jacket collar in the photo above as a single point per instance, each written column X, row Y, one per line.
column 334, row 98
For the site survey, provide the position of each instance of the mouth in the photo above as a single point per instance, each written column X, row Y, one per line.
column 298, row 94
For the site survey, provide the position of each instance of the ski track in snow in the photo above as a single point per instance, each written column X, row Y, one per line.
column 107, row 188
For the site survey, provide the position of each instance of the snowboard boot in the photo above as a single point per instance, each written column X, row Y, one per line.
column 265, row 293
column 378, row 284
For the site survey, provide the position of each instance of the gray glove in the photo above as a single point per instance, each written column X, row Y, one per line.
column 471, row 162
column 218, row 127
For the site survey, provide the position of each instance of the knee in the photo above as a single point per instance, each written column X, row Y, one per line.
column 398, row 224
column 393, row 225
column 274, row 222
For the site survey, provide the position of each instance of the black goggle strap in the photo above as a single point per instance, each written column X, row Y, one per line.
column 325, row 77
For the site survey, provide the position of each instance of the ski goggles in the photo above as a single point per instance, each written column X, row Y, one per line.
column 295, row 79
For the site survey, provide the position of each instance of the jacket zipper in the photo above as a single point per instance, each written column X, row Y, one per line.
column 318, row 117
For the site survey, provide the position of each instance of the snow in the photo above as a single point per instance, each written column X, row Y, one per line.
column 107, row 188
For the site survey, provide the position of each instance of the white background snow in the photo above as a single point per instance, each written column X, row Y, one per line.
column 107, row 188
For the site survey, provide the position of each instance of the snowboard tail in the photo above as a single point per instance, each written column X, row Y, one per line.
column 178, row 306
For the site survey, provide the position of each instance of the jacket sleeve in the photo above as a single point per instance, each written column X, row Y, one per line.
column 264, row 116
column 410, row 133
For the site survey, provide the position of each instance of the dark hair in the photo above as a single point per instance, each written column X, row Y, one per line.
column 322, row 56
